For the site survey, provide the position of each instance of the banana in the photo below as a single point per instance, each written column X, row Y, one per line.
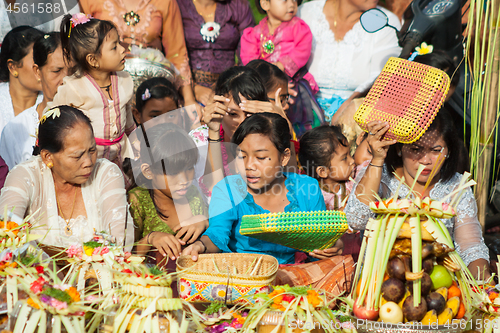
column 454, row 304
column 430, row 318
column 443, row 291
column 445, row 317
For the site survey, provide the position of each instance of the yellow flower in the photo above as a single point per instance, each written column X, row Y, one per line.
column 74, row 294
column 88, row 250
column 32, row 304
column 313, row 298
column 424, row 49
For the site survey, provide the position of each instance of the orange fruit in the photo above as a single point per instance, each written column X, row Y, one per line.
column 454, row 291
column 461, row 311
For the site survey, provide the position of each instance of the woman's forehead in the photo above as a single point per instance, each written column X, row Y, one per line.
column 430, row 139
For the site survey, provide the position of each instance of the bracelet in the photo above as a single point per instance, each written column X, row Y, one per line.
column 377, row 166
column 147, row 238
column 205, row 247
column 213, row 140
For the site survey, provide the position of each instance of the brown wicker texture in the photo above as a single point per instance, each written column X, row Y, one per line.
column 407, row 95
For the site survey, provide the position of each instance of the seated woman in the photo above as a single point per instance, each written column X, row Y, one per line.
column 168, row 210
column 66, row 189
column 262, row 144
column 404, row 160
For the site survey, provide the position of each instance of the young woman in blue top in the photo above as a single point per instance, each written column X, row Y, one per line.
column 262, row 148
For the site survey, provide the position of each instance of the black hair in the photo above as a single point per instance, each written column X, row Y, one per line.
column 82, row 40
column 168, row 149
column 15, row 46
column 44, row 46
column 269, row 124
column 270, row 74
column 241, row 80
column 262, row 11
column 441, row 60
column 317, row 147
column 159, row 87
column 457, row 161
column 53, row 130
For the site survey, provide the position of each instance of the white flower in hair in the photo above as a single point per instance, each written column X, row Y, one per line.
column 146, row 95
column 55, row 112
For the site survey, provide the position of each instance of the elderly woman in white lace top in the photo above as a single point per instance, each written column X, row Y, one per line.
column 67, row 190
column 345, row 59
column 404, row 160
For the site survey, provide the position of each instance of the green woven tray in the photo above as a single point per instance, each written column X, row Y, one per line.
column 304, row 231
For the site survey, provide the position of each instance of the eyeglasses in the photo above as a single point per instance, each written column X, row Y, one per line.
column 284, row 99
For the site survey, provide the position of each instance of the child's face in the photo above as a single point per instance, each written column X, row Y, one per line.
column 363, row 152
column 283, row 95
column 281, row 10
column 155, row 107
column 233, row 119
column 259, row 162
column 112, row 57
column 341, row 165
column 173, row 186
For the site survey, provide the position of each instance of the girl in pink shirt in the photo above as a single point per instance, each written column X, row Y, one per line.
column 281, row 38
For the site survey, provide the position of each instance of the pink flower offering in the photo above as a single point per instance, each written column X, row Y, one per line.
column 59, row 305
column 74, row 251
column 37, row 285
column 100, row 250
column 6, row 257
column 79, row 18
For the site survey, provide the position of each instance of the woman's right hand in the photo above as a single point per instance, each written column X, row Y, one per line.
column 202, row 94
column 214, row 112
column 378, row 146
column 166, row 244
column 193, row 250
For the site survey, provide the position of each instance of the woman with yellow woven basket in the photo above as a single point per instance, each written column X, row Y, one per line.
column 262, row 149
column 441, row 152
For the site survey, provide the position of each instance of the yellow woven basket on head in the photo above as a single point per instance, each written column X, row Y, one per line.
column 407, row 95
column 225, row 277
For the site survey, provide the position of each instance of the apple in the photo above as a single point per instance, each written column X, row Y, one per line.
column 440, row 277
column 390, row 312
column 361, row 312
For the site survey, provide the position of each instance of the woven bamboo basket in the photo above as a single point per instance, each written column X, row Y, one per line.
column 304, row 231
column 407, row 95
column 225, row 277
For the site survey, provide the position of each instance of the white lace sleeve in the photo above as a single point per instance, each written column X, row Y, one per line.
column 17, row 191
column 468, row 235
column 112, row 203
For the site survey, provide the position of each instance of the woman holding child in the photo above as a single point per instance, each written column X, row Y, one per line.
column 439, row 141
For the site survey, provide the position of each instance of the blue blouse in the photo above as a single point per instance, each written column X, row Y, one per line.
column 231, row 200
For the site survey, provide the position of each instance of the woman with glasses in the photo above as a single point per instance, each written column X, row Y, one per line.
column 392, row 162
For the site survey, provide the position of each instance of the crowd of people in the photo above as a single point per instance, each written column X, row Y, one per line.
column 174, row 172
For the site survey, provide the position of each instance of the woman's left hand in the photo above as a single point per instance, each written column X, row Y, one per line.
column 336, row 250
column 192, row 231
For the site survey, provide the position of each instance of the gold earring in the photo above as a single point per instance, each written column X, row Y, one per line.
column 15, row 74
column 38, row 80
column 50, row 165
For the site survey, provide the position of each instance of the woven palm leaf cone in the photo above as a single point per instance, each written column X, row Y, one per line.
column 482, row 63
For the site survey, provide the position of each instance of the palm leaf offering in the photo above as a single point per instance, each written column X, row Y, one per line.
column 304, row 231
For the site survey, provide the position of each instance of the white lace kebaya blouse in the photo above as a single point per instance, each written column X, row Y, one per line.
column 352, row 64
column 464, row 228
column 30, row 186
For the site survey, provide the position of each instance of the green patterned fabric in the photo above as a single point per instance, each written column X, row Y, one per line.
column 146, row 218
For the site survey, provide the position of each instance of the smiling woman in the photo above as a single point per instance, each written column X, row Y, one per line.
column 67, row 189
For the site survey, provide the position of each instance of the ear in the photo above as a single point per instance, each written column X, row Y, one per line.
column 12, row 66
column 322, row 172
column 92, row 60
column 146, row 171
column 265, row 5
column 137, row 115
column 46, row 157
column 36, row 69
column 285, row 157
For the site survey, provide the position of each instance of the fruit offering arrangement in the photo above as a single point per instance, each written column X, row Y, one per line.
column 13, row 235
column 408, row 269
column 145, row 303
column 219, row 319
column 292, row 307
column 52, row 304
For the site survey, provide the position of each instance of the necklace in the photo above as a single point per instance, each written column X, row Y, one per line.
column 131, row 18
column 67, row 230
column 107, row 90
column 209, row 30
